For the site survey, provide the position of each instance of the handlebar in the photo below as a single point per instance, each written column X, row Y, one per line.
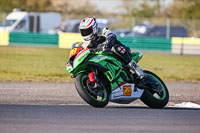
column 101, row 47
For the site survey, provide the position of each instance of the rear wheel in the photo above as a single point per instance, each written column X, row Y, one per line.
column 155, row 94
column 90, row 92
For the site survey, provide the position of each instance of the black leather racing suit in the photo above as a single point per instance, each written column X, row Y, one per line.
column 122, row 52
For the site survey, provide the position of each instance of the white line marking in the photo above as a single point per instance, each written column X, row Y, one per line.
column 188, row 105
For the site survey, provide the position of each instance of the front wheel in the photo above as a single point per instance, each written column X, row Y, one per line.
column 90, row 93
column 155, row 94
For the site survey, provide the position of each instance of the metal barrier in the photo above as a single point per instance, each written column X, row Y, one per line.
column 33, row 38
column 4, row 38
column 181, row 45
column 147, row 43
column 67, row 39
column 175, row 45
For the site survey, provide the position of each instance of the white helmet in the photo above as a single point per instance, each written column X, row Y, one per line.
column 88, row 28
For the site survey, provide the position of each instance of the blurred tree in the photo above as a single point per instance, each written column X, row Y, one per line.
column 70, row 7
column 35, row 5
column 189, row 10
column 9, row 5
column 27, row 5
column 144, row 10
column 178, row 9
column 140, row 8
column 184, row 9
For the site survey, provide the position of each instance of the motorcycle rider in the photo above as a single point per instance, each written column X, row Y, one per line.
column 89, row 31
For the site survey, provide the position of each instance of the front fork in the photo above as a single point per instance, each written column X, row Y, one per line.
column 96, row 86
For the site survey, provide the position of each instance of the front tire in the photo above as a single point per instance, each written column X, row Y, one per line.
column 81, row 84
column 154, row 97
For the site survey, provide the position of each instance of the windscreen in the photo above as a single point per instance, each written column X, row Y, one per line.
column 8, row 23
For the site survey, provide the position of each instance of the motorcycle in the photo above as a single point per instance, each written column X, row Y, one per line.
column 100, row 77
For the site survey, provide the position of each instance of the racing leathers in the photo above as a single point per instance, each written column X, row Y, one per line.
column 108, row 40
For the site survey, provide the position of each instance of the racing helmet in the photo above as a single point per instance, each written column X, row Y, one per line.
column 88, row 28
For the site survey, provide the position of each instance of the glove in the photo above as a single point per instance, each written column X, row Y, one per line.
column 110, row 37
column 106, row 31
column 106, row 46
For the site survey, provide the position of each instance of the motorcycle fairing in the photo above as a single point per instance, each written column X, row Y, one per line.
column 125, row 93
column 69, row 67
column 80, row 57
column 77, row 56
column 109, row 65
column 113, row 66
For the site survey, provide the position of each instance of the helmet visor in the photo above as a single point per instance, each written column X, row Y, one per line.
column 86, row 32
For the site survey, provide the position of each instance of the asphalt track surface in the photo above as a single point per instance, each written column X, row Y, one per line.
column 65, row 93
column 57, row 108
column 86, row 119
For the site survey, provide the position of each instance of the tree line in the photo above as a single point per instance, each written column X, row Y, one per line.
column 189, row 9
column 26, row 5
column 178, row 9
column 64, row 7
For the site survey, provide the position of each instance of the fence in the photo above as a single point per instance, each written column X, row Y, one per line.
column 65, row 40
column 155, row 27
column 146, row 43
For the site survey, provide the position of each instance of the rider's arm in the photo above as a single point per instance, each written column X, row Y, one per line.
column 110, row 37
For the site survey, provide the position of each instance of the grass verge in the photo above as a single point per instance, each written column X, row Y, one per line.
column 48, row 64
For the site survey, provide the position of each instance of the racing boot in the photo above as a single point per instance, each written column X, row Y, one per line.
column 139, row 72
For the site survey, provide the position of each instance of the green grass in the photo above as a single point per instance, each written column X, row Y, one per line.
column 48, row 64
column 171, row 67
column 33, row 64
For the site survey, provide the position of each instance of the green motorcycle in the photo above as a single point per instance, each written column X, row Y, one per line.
column 100, row 77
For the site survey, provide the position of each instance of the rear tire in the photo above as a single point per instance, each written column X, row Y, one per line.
column 148, row 96
column 86, row 94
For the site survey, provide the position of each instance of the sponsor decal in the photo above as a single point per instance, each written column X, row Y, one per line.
column 117, row 94
column 127, row 89
column 98, row 57
column 81, row 58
